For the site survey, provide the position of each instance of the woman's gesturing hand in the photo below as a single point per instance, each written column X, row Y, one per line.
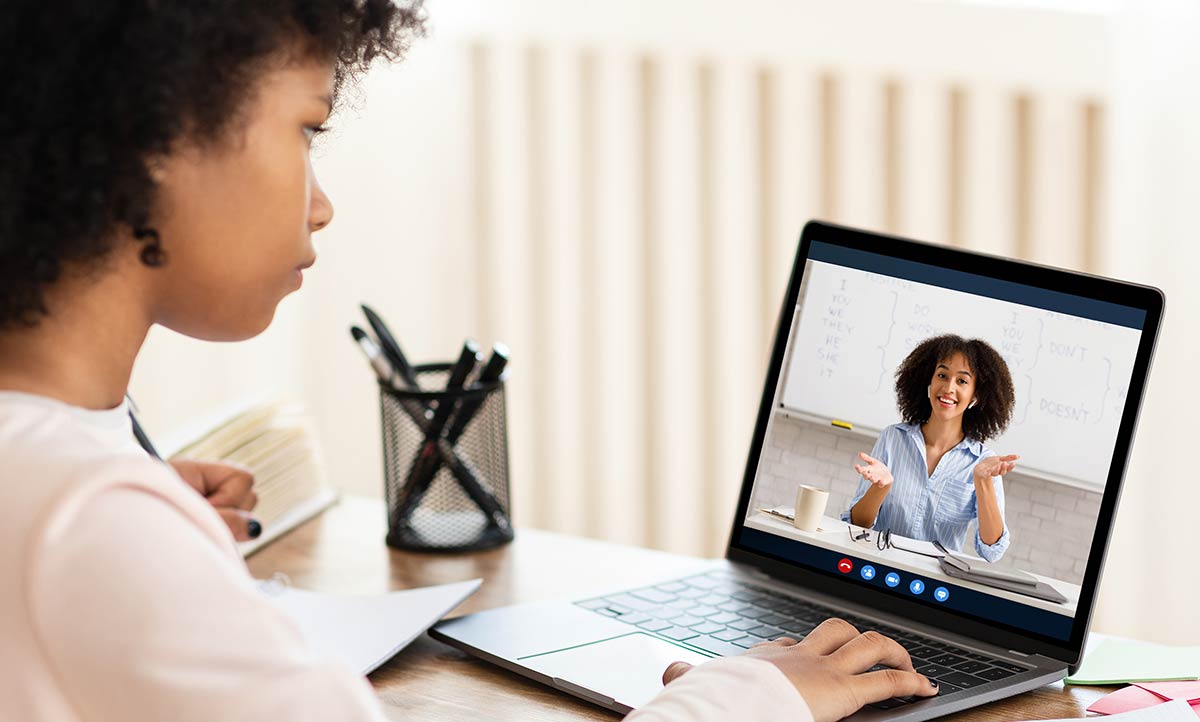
column 994, row 466
column 874, row 471
column 831, row 669
column 229, row 488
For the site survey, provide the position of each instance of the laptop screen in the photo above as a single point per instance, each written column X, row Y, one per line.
column 944, row 436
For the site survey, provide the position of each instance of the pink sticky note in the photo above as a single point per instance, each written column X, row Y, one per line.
column 1125, row 699
column 1189, row 690
column 1128, row 699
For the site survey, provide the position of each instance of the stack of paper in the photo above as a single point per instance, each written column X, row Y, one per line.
column 275, row 440
column 1118, row 661
column 366, row 630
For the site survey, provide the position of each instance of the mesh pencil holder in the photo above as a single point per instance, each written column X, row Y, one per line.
column 450, row 494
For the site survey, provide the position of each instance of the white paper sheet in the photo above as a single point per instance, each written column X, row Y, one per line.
column 916, row 546
column 366, row 630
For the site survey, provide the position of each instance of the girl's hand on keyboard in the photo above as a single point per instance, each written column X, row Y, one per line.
column 832, row 669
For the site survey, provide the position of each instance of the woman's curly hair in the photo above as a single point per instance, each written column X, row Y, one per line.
column 96, row 88
column 993, row 384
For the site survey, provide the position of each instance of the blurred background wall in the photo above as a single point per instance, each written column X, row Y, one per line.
column 616, row 190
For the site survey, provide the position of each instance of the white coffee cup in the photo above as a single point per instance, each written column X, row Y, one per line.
column 810, row 507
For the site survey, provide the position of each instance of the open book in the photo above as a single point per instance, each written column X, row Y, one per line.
column 275, row 440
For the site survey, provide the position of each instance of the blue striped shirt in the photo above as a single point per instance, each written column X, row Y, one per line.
column 931, row 508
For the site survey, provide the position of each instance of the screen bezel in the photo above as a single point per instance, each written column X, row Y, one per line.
column 1146, row 298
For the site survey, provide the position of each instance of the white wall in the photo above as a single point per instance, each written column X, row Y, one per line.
column 468, row 203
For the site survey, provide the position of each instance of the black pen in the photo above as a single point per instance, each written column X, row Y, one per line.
column 379, row 362
column 390, row 347
column 468, row 358
column 386, row 374
column 421, row 472
column 491, row 373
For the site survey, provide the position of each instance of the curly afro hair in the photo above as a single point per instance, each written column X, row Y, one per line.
column 98, row 87
column 993, row 384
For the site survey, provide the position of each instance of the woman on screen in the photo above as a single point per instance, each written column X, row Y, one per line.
column 930, row 476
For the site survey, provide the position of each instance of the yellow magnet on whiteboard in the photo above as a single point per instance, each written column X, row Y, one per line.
column 843, row 424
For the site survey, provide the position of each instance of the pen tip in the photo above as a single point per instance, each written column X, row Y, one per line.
column 357, row 333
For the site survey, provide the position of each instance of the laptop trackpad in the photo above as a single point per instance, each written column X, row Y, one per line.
column 627, row 669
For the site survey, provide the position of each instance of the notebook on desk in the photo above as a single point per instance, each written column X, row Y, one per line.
column 856, row 304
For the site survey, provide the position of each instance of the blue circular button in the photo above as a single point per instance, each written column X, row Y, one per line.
column 867, row 572
column 917, row 586
column 892, row 579
column 941, row 594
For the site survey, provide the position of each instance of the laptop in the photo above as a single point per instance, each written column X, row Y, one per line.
column 986, row 615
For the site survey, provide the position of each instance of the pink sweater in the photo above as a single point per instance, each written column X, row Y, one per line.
column 123, row 597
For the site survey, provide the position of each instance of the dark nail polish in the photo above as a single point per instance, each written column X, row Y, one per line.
column 253, row 528
column 933, row 683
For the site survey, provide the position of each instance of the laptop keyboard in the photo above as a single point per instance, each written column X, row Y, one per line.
column 726, row 616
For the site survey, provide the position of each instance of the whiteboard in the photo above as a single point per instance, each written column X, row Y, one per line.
column 1070, row 374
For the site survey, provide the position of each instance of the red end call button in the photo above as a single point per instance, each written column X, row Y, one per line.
column 845, row 566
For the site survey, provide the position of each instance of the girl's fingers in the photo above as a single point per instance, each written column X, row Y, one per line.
column 863, row 455
column 243, row 525
column 829, row 636
column 234, row 487
column 888, row 683
column 674, row 670
column 869, row 649
column 777, row 642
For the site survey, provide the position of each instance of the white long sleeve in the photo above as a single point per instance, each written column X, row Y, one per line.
column 143, row 618
column 731, row 688
column 123, row 596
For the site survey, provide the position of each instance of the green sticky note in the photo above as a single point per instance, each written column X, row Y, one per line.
column 1118, row 661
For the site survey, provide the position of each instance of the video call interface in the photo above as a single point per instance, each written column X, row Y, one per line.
column 943, row 436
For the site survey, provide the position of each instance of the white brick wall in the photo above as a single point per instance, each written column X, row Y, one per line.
column 1051, row 524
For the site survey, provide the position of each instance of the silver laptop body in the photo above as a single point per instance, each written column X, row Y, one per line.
column 611, row 647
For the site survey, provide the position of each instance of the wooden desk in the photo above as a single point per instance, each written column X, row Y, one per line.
column 343, row 550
